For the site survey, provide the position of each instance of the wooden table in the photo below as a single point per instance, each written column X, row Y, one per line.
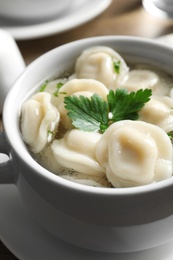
column 123, row 17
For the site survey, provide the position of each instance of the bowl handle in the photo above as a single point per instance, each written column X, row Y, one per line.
column 7, row 172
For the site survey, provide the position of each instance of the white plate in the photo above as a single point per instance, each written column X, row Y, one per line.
column 27, row 240
column 81, row 12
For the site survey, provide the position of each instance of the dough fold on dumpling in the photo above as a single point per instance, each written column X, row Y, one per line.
column 39, row 119
column 76, row 151
column 135, row 153
column 99, row 63
column 158, row 111
column 77, row 87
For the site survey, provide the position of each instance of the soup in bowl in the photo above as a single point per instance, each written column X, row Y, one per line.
column 89, row 139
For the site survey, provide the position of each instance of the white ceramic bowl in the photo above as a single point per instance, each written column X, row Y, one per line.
column 33, row 10
column 103, row 219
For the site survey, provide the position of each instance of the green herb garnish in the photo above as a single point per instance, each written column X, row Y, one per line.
column 87, row 114
column 117, row 66
column 170, row 134
column 95, row 114
column 43, row 86
column 124, row 105
column 50, row 135
column 57, row 92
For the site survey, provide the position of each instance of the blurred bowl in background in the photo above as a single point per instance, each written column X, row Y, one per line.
column 160, row 8
column 32, row 10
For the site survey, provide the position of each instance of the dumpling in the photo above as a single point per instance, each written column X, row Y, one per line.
column 103, row 64
column 158, row 111
column 39, row 119
column 76, row 150
column 77, row 87
column 135, row 153
column 140, row 79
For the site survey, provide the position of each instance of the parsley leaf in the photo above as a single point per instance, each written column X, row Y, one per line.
column 87, row 114
column 124, row 105
column 95, row 114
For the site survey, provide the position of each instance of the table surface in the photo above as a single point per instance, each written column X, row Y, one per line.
column 122, row 17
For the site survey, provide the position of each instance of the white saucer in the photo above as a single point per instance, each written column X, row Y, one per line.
column 27, row 240
column 81, row 12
